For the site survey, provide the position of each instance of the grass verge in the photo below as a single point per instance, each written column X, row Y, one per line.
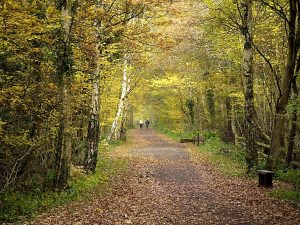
column 227, row 158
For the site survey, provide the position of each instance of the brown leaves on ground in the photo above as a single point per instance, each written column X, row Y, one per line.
column 164, row 186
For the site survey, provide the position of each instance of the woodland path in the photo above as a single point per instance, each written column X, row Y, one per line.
column 166, row 186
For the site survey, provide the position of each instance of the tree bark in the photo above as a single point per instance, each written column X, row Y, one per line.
column 284, row 87
column 294, row 126
column 93, row 133
column 229, row 135
column 292, row 136
column 64, row 144
column 233, row 127
column 251, row 152
column 210, row 96
column 122, row 130
column 115, row 125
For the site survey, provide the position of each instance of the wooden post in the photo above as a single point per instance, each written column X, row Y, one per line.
column 198, row 139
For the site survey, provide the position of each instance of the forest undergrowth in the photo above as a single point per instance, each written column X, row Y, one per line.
column 16, row 206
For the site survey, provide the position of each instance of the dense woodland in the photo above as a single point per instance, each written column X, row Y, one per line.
column 75, row 73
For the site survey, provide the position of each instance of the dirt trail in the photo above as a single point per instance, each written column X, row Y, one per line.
column 165, row 186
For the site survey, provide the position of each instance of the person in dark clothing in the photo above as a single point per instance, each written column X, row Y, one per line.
column 147, row 123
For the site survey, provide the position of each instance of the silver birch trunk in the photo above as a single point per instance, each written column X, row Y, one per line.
column 121, row 130
column 251, row 152
column 115, row 125
column 93, row 133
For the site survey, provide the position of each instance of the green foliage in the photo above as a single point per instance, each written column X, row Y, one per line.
column 209, row 134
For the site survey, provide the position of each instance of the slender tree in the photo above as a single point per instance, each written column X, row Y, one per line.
column 285, row 86
column 64, row 145
column 114, row 133
column 251, row 152
column 294, row 119
column 229, row 135
column 93, row 132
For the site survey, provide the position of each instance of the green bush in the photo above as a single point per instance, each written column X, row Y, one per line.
column 209, row 134
column 214, row 144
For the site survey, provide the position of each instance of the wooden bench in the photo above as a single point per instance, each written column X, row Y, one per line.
column 265, row 178
column 199, row 139
column 186, row 140
column 295, row 164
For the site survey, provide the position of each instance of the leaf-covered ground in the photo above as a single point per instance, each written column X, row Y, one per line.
column 166, row 185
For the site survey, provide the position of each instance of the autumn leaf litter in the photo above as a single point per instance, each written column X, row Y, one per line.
column 166, row 184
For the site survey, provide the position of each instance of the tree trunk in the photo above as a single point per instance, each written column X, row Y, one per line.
column 122, row 130
column 292, row 136
column 210, row 96
column 294, row 126
column 199, row 115
column 115, row 125
column 233, row 127
column 93, row 132
column 284, row 88
column 229, row 135
column 64, row 144
column 251, row 152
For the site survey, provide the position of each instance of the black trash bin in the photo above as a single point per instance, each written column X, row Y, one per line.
column 265, row 178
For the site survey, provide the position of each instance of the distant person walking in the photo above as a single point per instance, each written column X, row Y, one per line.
column 141, row 124
column 147, row 123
